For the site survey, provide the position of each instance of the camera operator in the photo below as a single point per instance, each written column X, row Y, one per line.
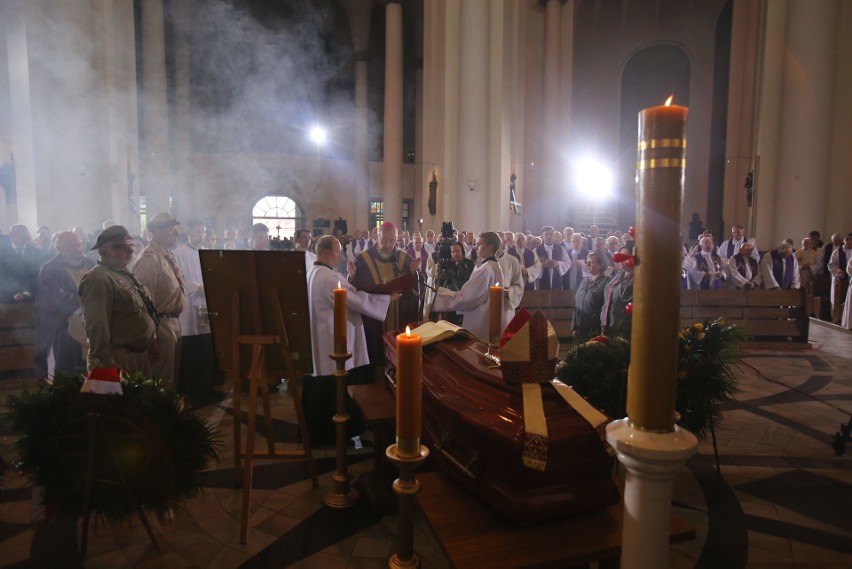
column 449, row 267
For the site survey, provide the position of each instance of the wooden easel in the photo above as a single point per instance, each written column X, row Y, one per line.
column 248, row 325
column 259, row 376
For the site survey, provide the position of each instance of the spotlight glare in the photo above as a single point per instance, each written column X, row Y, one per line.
column 593, row 178
column 317, row 135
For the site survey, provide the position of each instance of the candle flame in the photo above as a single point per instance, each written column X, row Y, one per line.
column 338, row 284
column 496, row 284
column 408, row 331
column 669, row 100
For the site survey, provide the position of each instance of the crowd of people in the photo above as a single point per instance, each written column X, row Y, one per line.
column 116, row 300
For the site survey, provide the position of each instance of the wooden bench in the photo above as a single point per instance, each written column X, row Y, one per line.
column 766, row 315
column 17, row 335
column 557, row 305
column 377, row 405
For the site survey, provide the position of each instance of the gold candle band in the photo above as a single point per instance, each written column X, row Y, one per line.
column 662, row 143
column 661, row 163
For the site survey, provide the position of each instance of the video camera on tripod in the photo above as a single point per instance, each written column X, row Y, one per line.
column 447, row 276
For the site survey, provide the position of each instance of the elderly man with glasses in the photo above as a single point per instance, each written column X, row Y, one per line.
column 119, row 318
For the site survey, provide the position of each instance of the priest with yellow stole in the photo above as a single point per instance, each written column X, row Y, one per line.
column 379, row 265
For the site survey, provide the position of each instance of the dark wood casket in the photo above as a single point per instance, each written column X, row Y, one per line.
column 473, row 423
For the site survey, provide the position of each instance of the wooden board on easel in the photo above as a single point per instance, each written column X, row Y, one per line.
column 258, row 307
column 257, row 276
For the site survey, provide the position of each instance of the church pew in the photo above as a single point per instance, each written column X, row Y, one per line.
column 17, row 334
column 766, row 315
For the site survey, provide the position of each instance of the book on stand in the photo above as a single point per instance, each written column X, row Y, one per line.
column 431, row 332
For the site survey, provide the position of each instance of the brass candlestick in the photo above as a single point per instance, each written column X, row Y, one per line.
column 343, row 496
column 406, row 487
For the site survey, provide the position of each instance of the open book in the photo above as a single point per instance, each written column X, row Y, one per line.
column 431, row 332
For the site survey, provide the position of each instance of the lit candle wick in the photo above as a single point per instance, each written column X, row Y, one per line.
column 408, row 331
column 669, row 100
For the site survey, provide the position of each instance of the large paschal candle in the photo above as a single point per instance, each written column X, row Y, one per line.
column 409, row 365
column 656, row 291
column 340, row 318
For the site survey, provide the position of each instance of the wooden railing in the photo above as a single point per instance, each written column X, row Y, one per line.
column 766, row 315
column 17, row 334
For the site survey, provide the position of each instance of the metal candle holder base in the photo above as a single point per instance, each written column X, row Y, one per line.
column 343, row 496
column 406, row 487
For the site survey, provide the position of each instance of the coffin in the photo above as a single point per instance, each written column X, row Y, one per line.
column 473, row 423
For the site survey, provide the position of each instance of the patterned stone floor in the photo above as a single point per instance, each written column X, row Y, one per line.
column 784, row 498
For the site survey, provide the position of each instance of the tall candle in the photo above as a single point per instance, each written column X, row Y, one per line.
column 409, row 363
column 339, row 317
column 661, row 163
column 495, row 313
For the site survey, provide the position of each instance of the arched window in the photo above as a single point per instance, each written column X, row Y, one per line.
column 279, row 213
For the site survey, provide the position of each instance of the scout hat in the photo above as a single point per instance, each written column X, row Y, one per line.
column 162, row 220
column 110, row 234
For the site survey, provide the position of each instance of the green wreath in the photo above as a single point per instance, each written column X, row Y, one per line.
column 143, row 449
column 707, row 352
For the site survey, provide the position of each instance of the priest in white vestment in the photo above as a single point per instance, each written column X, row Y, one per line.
column 472, row 300
column 318, row 396
column 514, row 283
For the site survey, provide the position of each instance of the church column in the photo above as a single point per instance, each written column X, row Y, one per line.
column 553, row 173
column 155, row 155
column 474, row 184
column 359, row 12
column 768, row 122
column 805, row 127
column 181, row 159
column 25, row 207
column 392, row 160
column 122, row 139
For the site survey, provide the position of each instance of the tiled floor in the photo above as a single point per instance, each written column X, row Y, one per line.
column 784, row 499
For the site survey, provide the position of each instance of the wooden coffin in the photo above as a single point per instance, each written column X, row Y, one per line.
column 473, row 423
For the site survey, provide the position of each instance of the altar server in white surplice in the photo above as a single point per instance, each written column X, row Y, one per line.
column 318, row 395
column 472, row 300
column 514, row 284
column 322, row 280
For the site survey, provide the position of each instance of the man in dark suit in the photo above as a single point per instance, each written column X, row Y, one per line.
column 23, row 263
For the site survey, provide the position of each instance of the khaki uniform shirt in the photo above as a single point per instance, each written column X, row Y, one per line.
column 114, row 315
column 153, row 270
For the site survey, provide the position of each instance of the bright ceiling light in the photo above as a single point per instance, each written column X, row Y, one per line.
column 593, row 179
column 317, row 135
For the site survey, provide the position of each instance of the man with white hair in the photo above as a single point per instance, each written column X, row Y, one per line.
column 56, row 301
column 708, row 273
column 779, row 269
column 375, row 267
column 529, row 262
column 743, row 270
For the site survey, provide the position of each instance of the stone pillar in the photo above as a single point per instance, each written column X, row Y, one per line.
column 25, row 208
column 651, row 461
column 122, row 138
column 155, row 152
column 359, row 12
column 184, row 196
column 474, row 184
column 553, row 170
column 392, row 166
column 768, row 123
column 805, row 120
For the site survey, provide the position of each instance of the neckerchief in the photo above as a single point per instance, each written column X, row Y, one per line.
column 143, row 294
